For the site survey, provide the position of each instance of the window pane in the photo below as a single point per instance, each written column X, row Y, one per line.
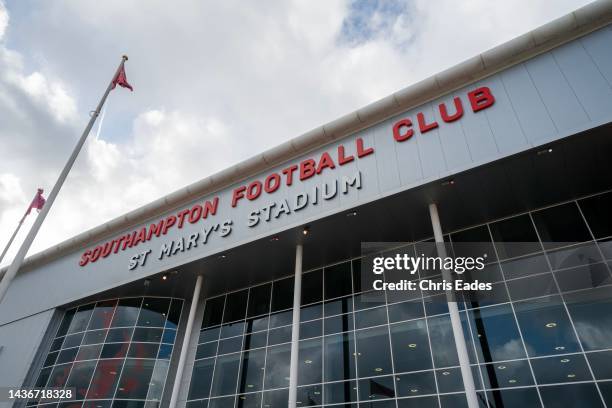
column 571, row 396
column 127, row 312
column 213, row 312
column 282, row 294
column 591, row 311
column 135, row 379
column 376, row 388
column 201, row 378
column 277, row 366
column 81, row 318
column 251, row 377
column 526, row 397
column 309, row 361
column 596, row 210
column 561, row 224
column 339, row 357
column 80, row 377
column 410, row 346
column 102, row 315
column 514, row 237
column 153, row 312
column 411, row 385
column 339, row 392
column 373, row 354
column 546, row 327
column 259, row 300
column 226, row 375
column 175, row 313
column 568, row 368
column 312, row 287
column 105, row 379
column 338, row 280
column 235, row 306
column 507, row 374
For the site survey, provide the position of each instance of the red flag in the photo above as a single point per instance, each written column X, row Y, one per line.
column 37, row 202
column 121, row 80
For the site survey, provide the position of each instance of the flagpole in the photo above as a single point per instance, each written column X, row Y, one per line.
column 25, row 246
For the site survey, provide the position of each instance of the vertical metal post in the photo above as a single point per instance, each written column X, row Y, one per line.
column 295, row 328
column 188, row 330
column 460, row 344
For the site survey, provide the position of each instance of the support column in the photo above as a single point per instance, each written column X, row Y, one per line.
column 464, row 361
column 295, row 328
column 188, row 330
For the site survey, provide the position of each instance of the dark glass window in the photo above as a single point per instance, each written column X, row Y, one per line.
column 410, row 346
column 143, row 350
column 412, row 385
column 89, row 352
column 235, row 306
column 338, row 280
column 127, row 312
column 309, row 361
column 150, row 335
column 102, row 315
column 561, row 225
column 601, row 363
column 259, row 300
column 277, row 366
column 312, row 287
column 153, row 312
column 339, row 351
column 81, row 318
column 311, row 329
column 226, row 375
column 201, row 378
column 282, row 294
column 72, row 340
column 376, row 388
column 421, row 402
column 65, row 324
column 174, row 314
column 567, row 368
column 591, row 311
column 119, row 335
column 255, row 340
column 338, row 306
column 373, row 354
column 507, row 374
column 67, row 355
column 311, row 312
column 80, row 376
column 115, row 350
column 105, row 379
column 546, row 327
column 94, row 337
column 206, row 350
column 473, row 242
column 371, row 317
column 532, row 286
column 135, row 378
column 213, row 312
column 339, row 392
column 496, row 334
column 59, row 375
column 251, row 373
column 514, row 237
column 525, row 397
column 405, row 311
column 596, row 210
column 230, row 345
column 571, row 395
column 338, row 324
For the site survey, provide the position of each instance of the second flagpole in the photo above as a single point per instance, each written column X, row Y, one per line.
column 25, row 246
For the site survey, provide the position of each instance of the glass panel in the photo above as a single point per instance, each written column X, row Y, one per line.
column 376, row 388
column 601, row 363
column 513, row 231
column 174, row 314
column 568, row 368
column 411, row 385
column 277, row 366
column 560, row 225
column 309, row 361
column 281, row 335
column 115, row 350
column 89, row 352
column 127, row 312
column 373, row 354
column 496, row 334
column 338, row 324
column 149, row 335
column 338, row 306
column 546, row 327
column 251, row 377
column 230, row 345
column 255, row 340
column 339, row 392
column 259, row 300
column 105, row 379
column 143, row 350
column 153, row 312
column 67, row 355
column 312, row 287
column 66, row 321
column 507, row 374
column 405, row 311
column 213, row 312
column 158, row 378
column 422, row 402
column 102, row 315
column 533, row 286
column 81, row 318
column 309, row 396
column 591, row 311
column 72, row 340
column 282, row 294
column 119, row 335
column 80, row 376
column 235, row 306
column 571, row 396
column 526, row 397
column 311, row 329
column 201, row 378
column 226, row 375
column 311, row 312
column 338, row 280
column 410, row 346
column 135, row 379
column 339, row 357
column 371, row 317
column 94, row 337
column 596, row 210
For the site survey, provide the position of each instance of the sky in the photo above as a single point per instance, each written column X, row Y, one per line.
column 215, row 82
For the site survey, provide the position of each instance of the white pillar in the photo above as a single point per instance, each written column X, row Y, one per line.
column 464, row 361
column 183, row 356
column 295, row 328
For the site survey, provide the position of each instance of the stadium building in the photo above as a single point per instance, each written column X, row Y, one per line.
column 247, row 286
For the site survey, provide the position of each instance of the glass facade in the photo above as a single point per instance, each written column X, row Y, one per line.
column 543, row 340
column 113, row 353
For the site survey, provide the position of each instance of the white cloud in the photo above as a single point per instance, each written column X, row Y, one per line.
column 214, row 83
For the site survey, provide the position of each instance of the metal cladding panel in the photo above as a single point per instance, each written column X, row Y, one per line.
column 549, row 97
column 20, row 341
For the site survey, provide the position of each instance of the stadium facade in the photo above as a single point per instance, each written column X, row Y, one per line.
column 191, row 300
